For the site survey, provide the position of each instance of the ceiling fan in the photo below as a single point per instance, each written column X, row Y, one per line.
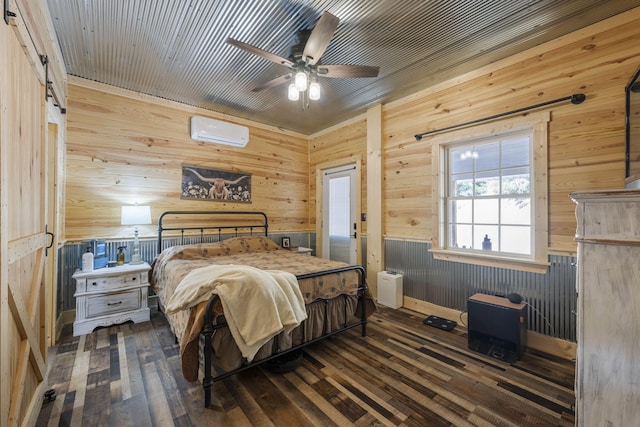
column 304, row 60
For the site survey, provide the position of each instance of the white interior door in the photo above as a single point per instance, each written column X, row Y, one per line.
column 339, row 214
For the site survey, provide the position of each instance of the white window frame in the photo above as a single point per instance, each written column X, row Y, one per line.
column 538, row 261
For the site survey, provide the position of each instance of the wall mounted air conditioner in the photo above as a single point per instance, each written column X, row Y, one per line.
column 219, row 132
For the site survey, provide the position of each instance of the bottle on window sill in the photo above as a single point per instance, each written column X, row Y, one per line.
column 486, row 243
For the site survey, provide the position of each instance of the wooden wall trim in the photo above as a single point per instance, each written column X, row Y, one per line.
column 5, row 384
column 375, row 208
column 56, row 135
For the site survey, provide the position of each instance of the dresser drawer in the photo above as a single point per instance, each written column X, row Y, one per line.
column 99, row 284
column 100, row 305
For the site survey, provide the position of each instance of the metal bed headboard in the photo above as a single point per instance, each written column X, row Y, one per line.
column 257, row 216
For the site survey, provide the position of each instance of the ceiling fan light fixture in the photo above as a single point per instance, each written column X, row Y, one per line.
column 304, row 62
column 293, row 93
column 301, row 81
column 314, row 91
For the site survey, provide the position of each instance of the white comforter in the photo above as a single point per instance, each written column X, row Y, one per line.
column 258, row 304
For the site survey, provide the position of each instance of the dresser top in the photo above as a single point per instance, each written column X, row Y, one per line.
column 605, row 195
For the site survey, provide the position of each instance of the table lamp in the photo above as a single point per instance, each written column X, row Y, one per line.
column 136, row 215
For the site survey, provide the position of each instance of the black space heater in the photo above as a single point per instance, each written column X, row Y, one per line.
column 497, row 327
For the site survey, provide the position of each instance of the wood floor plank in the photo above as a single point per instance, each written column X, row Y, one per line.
column 245, row 401
column 132, row 413
column 299, row 381
column 402, row 374
column 52, row 419
column 315, row 415
column 156, row 404
column 274, row 404
column 372, row 411
column 125, row 385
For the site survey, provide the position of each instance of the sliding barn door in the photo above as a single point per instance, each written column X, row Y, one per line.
column 23, row 159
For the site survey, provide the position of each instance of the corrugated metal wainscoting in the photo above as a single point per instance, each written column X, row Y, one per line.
column 552, row 296
column 70, row 254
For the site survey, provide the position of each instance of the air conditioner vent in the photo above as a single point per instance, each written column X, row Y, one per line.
column 219, row 132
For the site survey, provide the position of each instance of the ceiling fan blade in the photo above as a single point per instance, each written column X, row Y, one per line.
column 259, row 52
column 319, row 38
column 347, row 71
column 274, row 82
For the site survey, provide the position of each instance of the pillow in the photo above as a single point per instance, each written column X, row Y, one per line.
column 235, row 245
column 250, row 244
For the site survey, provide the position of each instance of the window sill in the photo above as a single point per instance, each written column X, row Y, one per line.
column 531, row 266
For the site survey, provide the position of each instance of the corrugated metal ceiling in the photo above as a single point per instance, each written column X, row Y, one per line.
column 177, row 49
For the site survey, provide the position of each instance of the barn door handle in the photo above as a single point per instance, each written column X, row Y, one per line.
column 50, row 234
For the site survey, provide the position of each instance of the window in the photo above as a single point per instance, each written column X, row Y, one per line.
column 490, row 194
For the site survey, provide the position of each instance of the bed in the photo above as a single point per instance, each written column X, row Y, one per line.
column 219, row 246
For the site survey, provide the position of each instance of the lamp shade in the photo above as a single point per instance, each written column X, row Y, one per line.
column 136, row 215
column 301, row 81
column 293, row 93
column 314, row 91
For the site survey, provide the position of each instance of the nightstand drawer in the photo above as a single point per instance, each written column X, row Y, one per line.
column 100, row 305
column 99, row 284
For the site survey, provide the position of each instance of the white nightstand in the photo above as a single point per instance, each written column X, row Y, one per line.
column 111, row 295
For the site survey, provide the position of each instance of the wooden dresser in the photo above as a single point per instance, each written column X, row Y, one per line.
column 111, row 295
column 608, row 355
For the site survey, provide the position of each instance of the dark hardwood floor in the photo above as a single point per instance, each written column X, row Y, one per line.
column 402, row 373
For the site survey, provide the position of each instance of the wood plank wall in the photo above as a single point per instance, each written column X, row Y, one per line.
column 124, row 148
column 586, row 142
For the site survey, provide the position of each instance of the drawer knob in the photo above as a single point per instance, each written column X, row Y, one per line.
column 133, row 278
column 114, row 303
column 95, row 283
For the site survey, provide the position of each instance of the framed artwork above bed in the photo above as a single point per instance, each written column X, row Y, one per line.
column 200, row 183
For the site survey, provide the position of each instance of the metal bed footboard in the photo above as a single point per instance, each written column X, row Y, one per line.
column 254, row 221
column 210, row 327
